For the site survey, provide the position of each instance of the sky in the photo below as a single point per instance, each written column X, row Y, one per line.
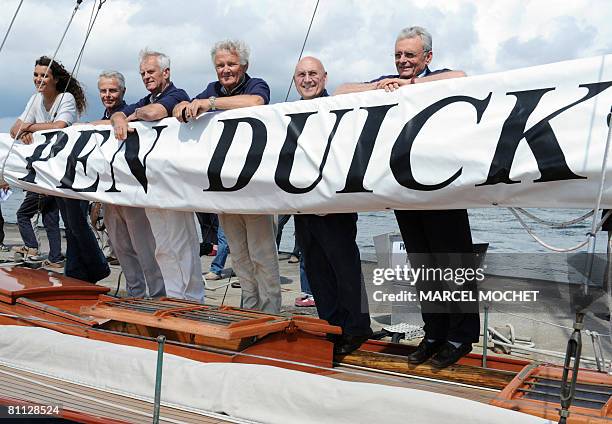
column 353, row 38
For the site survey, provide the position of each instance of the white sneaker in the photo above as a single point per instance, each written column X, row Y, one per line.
column 212, row 276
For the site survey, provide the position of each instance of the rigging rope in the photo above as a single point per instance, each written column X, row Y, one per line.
column 303, row 46
column 82, row 50
column 553, row 224
column 595, row 225
column 74, row 11
column 551, row 247
column 10, row 25
column 89, row 25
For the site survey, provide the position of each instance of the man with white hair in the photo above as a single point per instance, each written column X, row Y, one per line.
column 128, row 228
column 111, row 87
column 251, row 238
column 434, row 239
column 177, row 246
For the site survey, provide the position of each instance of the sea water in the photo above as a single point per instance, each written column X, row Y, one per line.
column 496, row 226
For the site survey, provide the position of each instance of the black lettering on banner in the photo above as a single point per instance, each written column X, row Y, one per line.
column 67, row 180
column 254, row 155
column 287, row 153
column 365, row 146
column 540, row 138
column 132, row 149
column 400, row 153
column 61, row 139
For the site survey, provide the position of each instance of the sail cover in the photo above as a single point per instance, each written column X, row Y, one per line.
column 532, row 137
column 258, row 393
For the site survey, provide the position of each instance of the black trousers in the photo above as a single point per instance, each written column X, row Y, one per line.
column 209, row 224
column 1, row 227
column 84, row 258
column 282, row 220
column 442, row 239
column 333, row 267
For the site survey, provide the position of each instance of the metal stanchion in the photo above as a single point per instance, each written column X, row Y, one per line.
column 161, row 340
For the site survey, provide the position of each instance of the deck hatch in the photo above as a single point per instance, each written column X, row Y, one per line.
column 221, row 322
column 536, row 390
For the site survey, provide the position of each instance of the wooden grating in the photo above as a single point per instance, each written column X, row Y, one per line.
column 221, row 322
column 536, row 390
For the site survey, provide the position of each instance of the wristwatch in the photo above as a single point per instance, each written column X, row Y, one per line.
column 211, row 101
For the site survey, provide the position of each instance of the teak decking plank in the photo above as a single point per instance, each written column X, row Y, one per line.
column 459, row 373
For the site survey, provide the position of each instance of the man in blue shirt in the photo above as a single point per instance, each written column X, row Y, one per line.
column 330, row 255
column 128, row 228
column 251, row 238
column 438, row 239
column 177, row 246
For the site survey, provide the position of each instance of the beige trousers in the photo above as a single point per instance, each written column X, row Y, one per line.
column 177, row 252
column 252, row 244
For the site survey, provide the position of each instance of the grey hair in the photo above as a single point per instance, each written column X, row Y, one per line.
column 162, row 59
column 235, row 46
column 113, row 74
column 417, row 31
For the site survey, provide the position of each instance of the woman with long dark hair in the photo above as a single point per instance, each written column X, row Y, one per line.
column 57, row 103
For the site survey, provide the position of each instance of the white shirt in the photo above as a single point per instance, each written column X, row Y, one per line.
column 35, row 112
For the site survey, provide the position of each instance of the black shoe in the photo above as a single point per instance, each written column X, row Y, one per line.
column 424, row 351
column 333, row 337
column 347, row 343
column 449, row 354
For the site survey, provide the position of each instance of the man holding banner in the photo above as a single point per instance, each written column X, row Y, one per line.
column 435, row 239
column 177, row 248
column 128, row 227
column 330, row 254
column 251, row 238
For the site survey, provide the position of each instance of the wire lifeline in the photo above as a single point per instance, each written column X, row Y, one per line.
column 10, row 25
column 74, row 11
column 303, row 46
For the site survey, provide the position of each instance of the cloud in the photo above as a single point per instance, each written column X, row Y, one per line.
column 567, row 39
column 353, row 38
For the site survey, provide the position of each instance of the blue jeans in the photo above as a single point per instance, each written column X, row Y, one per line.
column 218, row 264
column 47, row 205
column 84, row 259
column 304, row 285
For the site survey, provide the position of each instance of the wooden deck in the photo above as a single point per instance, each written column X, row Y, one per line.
column 463, row 391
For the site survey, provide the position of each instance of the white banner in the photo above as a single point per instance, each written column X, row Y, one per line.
column 532, row 137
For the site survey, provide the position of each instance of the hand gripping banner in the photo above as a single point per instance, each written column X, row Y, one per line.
column 532, row 137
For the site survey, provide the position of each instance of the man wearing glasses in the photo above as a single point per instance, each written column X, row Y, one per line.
column 435, row 239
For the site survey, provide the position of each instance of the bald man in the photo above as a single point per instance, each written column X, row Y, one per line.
column 331, row 256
